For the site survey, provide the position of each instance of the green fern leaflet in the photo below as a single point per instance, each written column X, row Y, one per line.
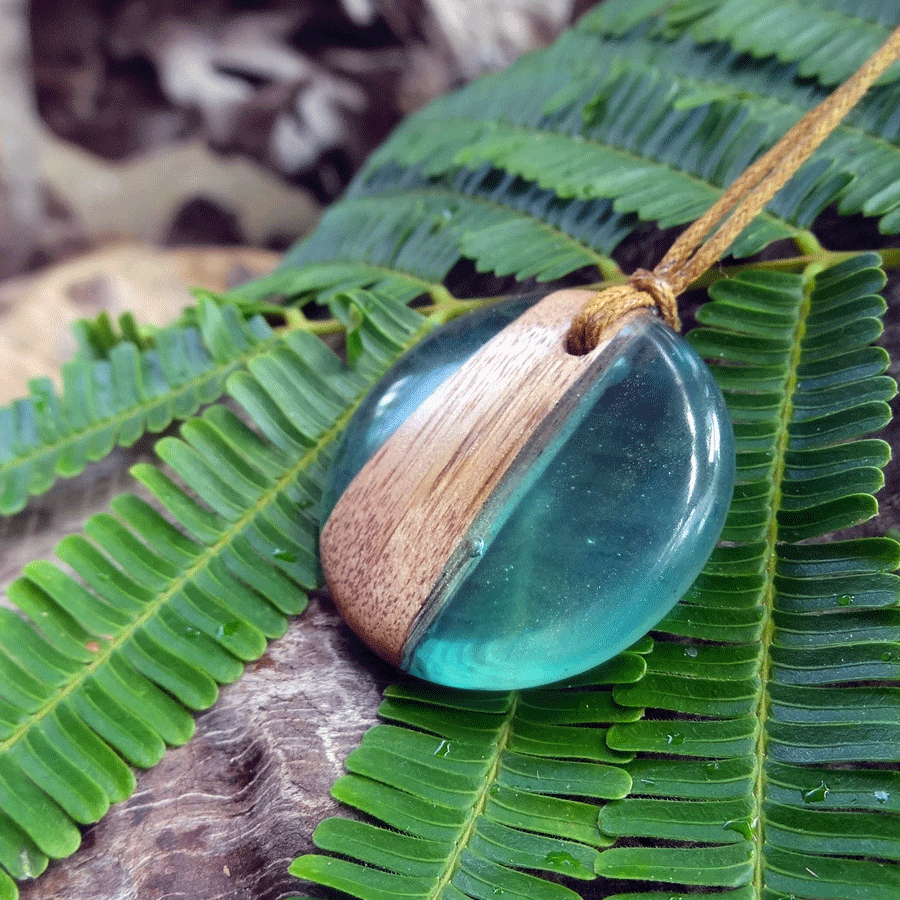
column 105, row 664
column 730, row 734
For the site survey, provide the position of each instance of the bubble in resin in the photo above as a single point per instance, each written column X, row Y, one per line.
column 596, row 540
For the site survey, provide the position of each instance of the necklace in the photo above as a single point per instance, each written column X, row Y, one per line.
column 531, row 490
column 549, row 523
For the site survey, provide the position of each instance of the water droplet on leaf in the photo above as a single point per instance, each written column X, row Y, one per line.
column 691, row 652
column 675, row 740
column 563, row 862
column 284, row 555
column 741, row 826
column 882, row 796
column 816, row 794
column 227, row 629
column 845, row 600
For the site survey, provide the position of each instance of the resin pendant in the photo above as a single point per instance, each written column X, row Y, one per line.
column 502, row 514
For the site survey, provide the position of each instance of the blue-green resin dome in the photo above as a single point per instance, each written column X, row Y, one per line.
column 598, row 545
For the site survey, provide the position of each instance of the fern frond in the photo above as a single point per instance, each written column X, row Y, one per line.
column 865, row 147
column 112, row 400
column 97, row 337
column 778, row 668
column 795, row 692
column 505, row 225
column 605, row 157
column 102, row 666
column 830, row 39
column 475, row 788
column 123, row 385
column 655, row 125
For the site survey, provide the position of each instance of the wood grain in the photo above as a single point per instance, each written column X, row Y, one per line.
column 397, row 542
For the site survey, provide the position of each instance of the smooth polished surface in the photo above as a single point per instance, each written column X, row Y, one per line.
column 598, row 539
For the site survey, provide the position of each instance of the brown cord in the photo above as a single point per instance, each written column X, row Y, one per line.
column 701, row 245
column 642, row 290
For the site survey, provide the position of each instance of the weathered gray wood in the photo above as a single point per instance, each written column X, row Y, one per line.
column 223, row 816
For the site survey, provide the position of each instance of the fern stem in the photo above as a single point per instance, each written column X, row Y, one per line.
column 808, row 244
column 443, row 313
column 295, row 320
column 490, row 778
column 820, row 258
column 442, row 297
column 890, row 257
column 771, row 539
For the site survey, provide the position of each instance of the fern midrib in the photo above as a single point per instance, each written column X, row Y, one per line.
column 605, row 264
column 212, row 551
column 478, row 806
column 627, row 155
column 765, row 663
column 221, row 370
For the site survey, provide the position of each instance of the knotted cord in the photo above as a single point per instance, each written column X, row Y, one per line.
column 707, row 239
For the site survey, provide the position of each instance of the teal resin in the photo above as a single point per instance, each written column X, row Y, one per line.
column 596, row 547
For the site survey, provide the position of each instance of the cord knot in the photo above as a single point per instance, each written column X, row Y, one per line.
column 606, row 308
column 662, row 292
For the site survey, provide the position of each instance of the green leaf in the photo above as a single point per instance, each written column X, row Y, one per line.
column 155, row 610
column 750, row 693
column 113, row 400
column 475, row 787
